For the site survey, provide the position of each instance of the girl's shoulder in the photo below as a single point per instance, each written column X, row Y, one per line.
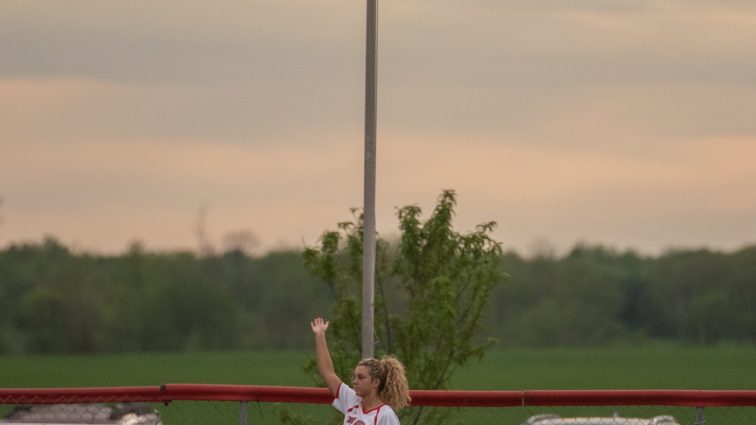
column 387, row 416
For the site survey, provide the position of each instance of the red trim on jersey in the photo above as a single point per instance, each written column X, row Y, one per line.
column 375, row 421
column 338, row 391
column 365, row 412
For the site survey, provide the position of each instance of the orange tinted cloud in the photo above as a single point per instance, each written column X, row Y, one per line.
column 628, row 123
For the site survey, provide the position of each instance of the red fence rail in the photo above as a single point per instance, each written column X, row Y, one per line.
column 194, row 392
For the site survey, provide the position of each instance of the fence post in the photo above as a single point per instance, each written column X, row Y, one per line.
column 243, row 413
column 700, row 415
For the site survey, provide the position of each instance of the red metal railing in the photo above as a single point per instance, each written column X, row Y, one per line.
column 177, row 392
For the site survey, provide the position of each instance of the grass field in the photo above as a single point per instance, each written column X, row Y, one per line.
column 657, row 366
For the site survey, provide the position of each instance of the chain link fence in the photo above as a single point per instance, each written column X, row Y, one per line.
column 251, row 405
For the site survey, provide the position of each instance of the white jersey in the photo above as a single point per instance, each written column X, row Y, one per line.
column 350, row 405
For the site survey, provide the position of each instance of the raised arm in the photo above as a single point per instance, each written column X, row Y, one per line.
column 325, row 364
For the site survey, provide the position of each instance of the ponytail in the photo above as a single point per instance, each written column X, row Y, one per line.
column 393, row 389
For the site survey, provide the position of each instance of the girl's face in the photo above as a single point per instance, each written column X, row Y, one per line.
column 362, row 383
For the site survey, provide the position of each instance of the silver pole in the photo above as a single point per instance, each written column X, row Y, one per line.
column 368, row 247
column 243, row 413
column 700, row 416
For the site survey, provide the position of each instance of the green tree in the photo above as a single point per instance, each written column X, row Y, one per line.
column 432, row 288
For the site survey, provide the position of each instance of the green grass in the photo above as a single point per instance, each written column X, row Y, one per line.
column 258, row 368
column 652, row 367
column 658, row 366
column 663, row 366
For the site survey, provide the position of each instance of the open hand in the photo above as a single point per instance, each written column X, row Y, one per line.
column 319, row 325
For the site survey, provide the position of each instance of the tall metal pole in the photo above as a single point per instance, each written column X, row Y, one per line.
column 368, row 247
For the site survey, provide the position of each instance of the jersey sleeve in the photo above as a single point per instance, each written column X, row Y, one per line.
column 346, row 398
column 387, row 417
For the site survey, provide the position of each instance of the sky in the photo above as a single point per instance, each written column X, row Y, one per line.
column 626, row 123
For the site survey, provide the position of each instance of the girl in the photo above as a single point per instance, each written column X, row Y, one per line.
column 379, row 387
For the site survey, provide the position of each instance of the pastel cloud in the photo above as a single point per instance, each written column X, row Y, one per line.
column 622, row 122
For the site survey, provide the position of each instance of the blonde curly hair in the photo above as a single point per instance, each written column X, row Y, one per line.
column 393, row 389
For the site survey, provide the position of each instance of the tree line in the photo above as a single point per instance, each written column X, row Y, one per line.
column 55, row 300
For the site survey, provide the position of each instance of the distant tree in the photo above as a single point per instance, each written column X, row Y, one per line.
column 205, row 247
column 243, row 241
column 431, row 294
column 54, row 300
column 59, row 309
column 704, row 297
column 741, row 287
